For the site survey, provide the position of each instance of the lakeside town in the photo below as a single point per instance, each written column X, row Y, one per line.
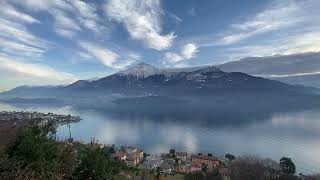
column 180, row 164
column 172, row 162
column 17, row 116
column 168, row 165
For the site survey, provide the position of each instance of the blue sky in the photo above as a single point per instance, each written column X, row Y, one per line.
column 60, row 41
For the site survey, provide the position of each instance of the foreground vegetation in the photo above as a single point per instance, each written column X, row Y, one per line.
column 35, row 153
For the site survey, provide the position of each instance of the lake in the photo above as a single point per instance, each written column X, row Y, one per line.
column 291, row 134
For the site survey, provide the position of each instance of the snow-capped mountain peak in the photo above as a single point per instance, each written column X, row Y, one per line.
column 209, row 69
column 141, row 70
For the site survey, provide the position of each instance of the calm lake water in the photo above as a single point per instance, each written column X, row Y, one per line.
column 296, row 135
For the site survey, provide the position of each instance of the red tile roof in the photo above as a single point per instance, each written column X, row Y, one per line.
column 212, row 158
column 181, row 154
column 118, row 155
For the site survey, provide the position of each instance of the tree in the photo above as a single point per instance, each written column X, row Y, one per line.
column 204, row 168
column 172, row 152
column 230, row 157
column 95, row 163
column 287, row 165
column 253, row 168
column 215, row 175
column 157, row 175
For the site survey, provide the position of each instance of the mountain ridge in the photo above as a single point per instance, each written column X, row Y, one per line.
column 143, row 79
column 207, row 92
column 143, row 72
column 208, row 77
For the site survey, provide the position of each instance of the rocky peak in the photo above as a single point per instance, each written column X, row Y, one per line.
column 141, row 70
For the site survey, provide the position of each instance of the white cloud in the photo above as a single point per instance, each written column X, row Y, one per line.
column 304, row 42
column 173, row 57
column 188, row 51
column 284, row 27
column 42, row 5
column 23, row 49
column 15, row 39
column 287, row 75
column 64, row 25
column 11, row 13
column 274, row 18
column 70, row 16
column 18, row 32
column 175, row 17
column 279, row 15
column 142, row 20
column 108, row 57
column 88, row 16
column 84, row 55
column 36, row 72
column 135, row 56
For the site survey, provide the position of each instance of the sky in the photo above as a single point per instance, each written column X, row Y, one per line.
column 53, row 42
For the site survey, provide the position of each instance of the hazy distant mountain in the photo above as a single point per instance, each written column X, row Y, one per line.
column 301, row 68
column 307, row 79
column 30, row 91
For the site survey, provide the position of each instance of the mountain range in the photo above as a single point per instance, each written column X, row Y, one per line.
column 144, row 79
column 143, row 90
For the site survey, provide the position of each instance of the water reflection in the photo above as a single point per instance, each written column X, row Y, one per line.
column 296, row 135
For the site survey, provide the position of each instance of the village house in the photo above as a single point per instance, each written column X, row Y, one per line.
column 166, row 168
column 195, row 167
column 152, row 161
column 181, row 156
column 132, row 160
column 209, row 161
column 140, row 154
column 130, row 155
column 119, row 155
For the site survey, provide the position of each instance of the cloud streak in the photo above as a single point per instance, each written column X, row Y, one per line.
column 35, row 71
column 278, row 16
column 109, row 57
column 287, row 75
column 10, row 12
column 304, row 42
column 70, row 16
column 142, row 20
column 283, row 27
column 15, row 38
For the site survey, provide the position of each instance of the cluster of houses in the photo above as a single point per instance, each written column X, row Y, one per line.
column 185, row 163
column 189, row 163
column 130, row 155
column 41, row 118
column 192, row 163
column 182, row 162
